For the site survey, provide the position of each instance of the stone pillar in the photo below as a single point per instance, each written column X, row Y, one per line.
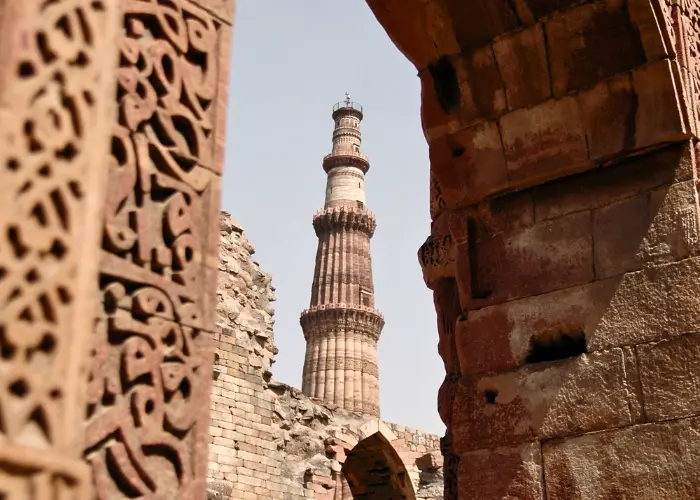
column 57, row 88
column 151, row 357
column 341, row 314
column 565, row 242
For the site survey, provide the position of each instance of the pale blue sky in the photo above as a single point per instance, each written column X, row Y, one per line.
column 290, row 63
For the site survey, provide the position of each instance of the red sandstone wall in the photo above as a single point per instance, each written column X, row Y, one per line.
column 563, row 249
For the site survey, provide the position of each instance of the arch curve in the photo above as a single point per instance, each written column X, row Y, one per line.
column 374, row 469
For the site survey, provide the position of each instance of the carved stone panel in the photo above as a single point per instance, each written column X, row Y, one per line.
column 56, row 95
column 151, row 360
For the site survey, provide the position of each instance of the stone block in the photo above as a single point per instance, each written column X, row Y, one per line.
column 469, row 163
column 652, row 304
column 582, row 394
column 542, row 8
column 609, row 115
column 603, row 186
column 580, row 42
column 481, row 86
column 674, row 231
column 650, row 29
column 502, row 336
column 643, row 462
column 547, row 256
column 659, row 115
column 432, row 460
column 436, row 120
column 502, row 473
column 522, row 61
column 480, row 20
column 543, row 142
column 670, row 376
column 506, row 213
column 618, row 233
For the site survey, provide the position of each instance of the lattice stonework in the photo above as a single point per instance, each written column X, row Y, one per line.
column 151, row 367
column 56, row 109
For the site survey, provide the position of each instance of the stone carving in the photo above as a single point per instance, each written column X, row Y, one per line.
column 147, row 412
column 683, row 25
column 437, row 257
column 55, row 90
column 437, row 202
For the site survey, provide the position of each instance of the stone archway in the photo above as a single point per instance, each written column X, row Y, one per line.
column 515, row 95
column 374, row 468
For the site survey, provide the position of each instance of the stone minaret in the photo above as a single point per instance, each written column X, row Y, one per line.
column 341, row 326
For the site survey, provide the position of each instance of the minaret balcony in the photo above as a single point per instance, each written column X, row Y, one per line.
column 346, row 158
column 328, row 317
column 347, row 217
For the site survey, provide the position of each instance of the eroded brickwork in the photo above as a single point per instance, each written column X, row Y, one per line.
column 269, row 440
column 564, row 243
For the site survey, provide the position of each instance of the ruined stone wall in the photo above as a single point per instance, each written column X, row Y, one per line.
column 268, row 440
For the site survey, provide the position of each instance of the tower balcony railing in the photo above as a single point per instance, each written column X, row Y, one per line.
column 347, row 104
column 348, row 152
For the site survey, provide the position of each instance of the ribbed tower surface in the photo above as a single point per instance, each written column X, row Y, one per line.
column 341, row 326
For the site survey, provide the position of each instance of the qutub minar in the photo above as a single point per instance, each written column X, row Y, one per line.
column 341, row 326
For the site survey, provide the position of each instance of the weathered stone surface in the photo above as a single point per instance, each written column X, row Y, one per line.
column 604, row 186
column 469, row 164
column 674, row 231
column 618, row 233
column 502, row 473
column 429, row 461
column 656, row 227
column 645, row 462
column 501, row 336
column 522, row 61
column 659, row 116
column 652, row 304
column 670, row 376
column 506, row 213
column 543, row 142
column 547, row 256
column 436, row 120
column 580, row 41
column 481, row 90
column 609, row 113
column 476, row 23
column 624, row 76
column 567, row 397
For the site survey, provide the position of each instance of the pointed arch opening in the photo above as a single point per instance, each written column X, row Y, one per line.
column 375, row 471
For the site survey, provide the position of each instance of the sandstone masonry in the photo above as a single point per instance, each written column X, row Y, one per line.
column 268, row 440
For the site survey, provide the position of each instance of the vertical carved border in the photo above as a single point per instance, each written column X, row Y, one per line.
column 148, row 400
column 56, row 110
column 682, row 32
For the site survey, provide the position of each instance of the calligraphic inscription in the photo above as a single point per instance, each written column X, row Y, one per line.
column 151, row 367
column 56, row 90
